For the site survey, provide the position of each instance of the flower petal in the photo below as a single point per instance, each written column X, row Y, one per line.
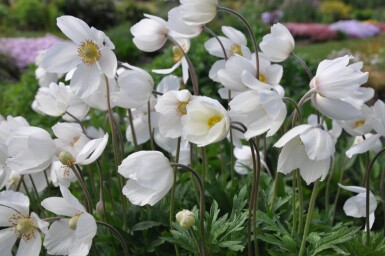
column 61, row 58
column 108, row 62
column 74, row 28
column 30, row 247
column 85, row 80
column 7, row 240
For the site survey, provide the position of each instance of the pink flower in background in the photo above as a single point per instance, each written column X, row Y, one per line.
column 25, row 50
column 314, row 31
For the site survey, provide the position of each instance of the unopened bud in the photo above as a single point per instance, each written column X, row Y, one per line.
column 100, row 208
column 66, row 158
column 185, row 218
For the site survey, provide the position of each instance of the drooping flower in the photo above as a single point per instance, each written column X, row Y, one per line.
column 206, row 121
column 308, row 148
column 335, row 131
column 30, row 149
column 338, row 92
column 198, row 12
column 150, row 177
column 90, row 53
column 361, row 125
column 244, row 160
column 372, row 142
column 278, row 45
column 179, row 59
column 235, row 42
column 135, row 88
column 73, row 235
column 178, row 27
column 172, row 106
column 57, row 99
column 356, row 205
column 150, row 34
column 18, row 223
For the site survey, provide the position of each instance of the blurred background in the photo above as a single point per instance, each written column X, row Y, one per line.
column 322, row 29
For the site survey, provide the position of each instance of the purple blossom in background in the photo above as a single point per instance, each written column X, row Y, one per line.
column 24, row 50
column 270, row 18
column 356, row 29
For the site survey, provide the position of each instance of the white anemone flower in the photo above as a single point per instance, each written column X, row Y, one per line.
column 168, row 83
column 205, row 122
column 71, row 139
column 172, row 106
column 244, row 160
column 73, row 235
column 18, row 223
column 198, row 12
column 378, row 120
column 308, row 148
column 356, row 205
column 361, row 125
column 62, row 175
column 178, row 27
column 335, row 131
column 338, row 92
column 31, row 182
column 141, row 124
column 135, row 88
column 150, row 177
column 170, row 145
column 179, row 59
column 150, row 34
column 30, row 149
column 44, row 78
column 57, row 99
column 9, row 125
column 278, row 45
column 261, row 110
column 239, row 73
column 234, row 43
column 90, row 53
column 98, row 99
column 372, row 142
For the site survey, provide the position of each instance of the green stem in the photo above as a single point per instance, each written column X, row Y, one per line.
column 367, row 178
column 308, row 217
column 294, row 203
column 382, row 192
column 338, row 190
column 275, row 190
column 303, row 64
column 329, row 181
column 249, row 29
column 300, row 199
column 150, row 126
column 172, row 196
column 133, row 133
column 76, row 171
column 201, row 203
column 117, row 234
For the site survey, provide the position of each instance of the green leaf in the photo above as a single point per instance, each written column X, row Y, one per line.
column 146, row 225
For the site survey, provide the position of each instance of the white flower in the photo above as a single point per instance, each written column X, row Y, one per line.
column 198, row 12
column 278, row 45
column 372, row 142
column 234, row 43
column 32, row 181
column 71, row 139
column 244, row 160
column 356, row 205
column 91, row 52
column 239, row 73
column 8, row 126
column 18, row 223
column 259, row 110
column 170, row 145
column 135, row 88
column 308, row 148
column 205, row 122
column 335, row 131
column 30, row 150
column 168, row 83
column 361, row 125
column 378, row 117
column 98, row 99
column 57, row 99
column 338, row 92
column 172, row 106
column 150, row 177
column 180, row 29
column 150, row 34
column 45, row 78
column 62, row 175
column 71, row 236
column 179, row 59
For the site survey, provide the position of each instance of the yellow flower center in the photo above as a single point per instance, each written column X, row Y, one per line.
column 262, row 78
column 178, row 53
column 23, row 226
column 236, row 49
column 213, row 120
column 181, row 108
column 89, row 52
column 73, row 222
column 359, row 123
column 66, row 158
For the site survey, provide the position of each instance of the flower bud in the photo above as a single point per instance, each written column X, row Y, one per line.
column 66, row 158
column 100, row 208
column 185, row 218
